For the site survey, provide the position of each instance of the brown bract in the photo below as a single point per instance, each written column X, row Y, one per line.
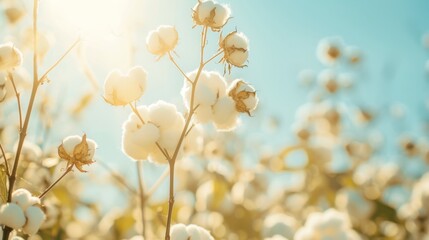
column 79, row 157
column 239, row 97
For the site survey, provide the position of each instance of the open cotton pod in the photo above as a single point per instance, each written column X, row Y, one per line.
column 122, row 89
column 211, row 14
column 162, row 40
column 10, row 57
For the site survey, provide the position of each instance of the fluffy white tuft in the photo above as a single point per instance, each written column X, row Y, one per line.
column 225, row 115
column 163, row 114
column 35, row 217
column 162, row 40
column 23, row 198
column 10, row 57
column 120, row 89
column 189, row 232
column 203, row 14
column 70, row 142
column 12, row 215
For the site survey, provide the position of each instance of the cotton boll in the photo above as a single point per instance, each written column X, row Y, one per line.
column 169, row 36
column 211, row 14
column 12, row 215
column 35, row 217
column 10, row 57
column 163, row 114
column 179, row 232
column 202, row 11
column 194, row 232
column 70, row 142
column 122, row 89
column 23, row 198
column 235, row 46
column 153, row 43
column 222, row 14
column 329, row 50
column 244, row 96
column 189, row 232
column 225, row 114
column 209, row 88
column 162, row 40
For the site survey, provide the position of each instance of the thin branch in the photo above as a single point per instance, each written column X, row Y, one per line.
column 69, row 169
column 142, row 197
column 5, row 160
column 18, row 99
column 42, row 79
column 179, row 68
column 183, row 134
column 189, row 130
column 213, row 57
column 137, row 113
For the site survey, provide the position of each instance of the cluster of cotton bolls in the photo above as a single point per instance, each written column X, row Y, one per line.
column 189, row 232
column 329, row 224
column 216, row 103
column 23, row 212
column 158, row 124
column 341, row 62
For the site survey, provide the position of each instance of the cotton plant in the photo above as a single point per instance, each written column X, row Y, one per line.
column 159, row 132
